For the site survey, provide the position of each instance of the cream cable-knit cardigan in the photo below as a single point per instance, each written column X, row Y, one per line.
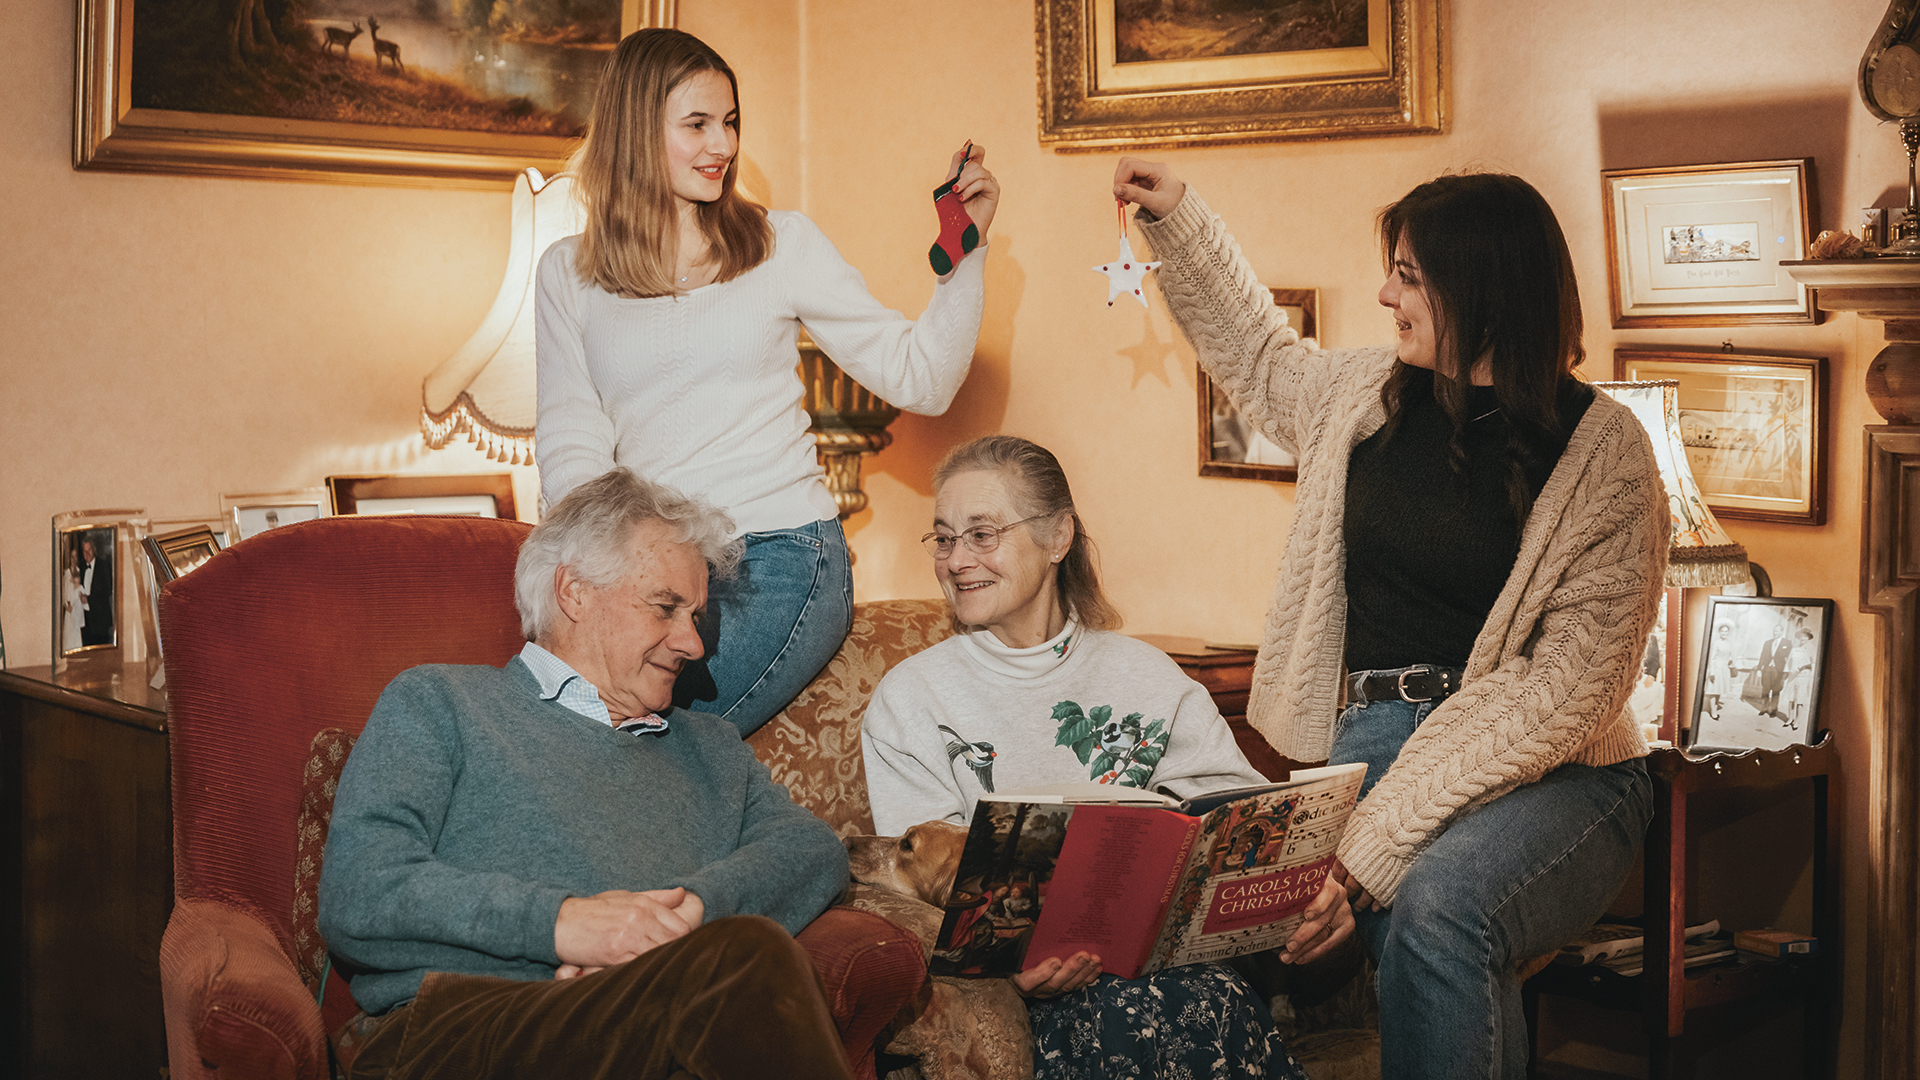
column 1548, row 677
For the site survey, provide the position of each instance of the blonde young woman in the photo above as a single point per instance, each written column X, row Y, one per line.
column 665, row 336
column 1037, row 652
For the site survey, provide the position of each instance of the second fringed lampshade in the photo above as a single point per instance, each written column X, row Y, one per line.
column 1701, row 554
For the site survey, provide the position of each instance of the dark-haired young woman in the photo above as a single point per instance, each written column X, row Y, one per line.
column 1475, row 560
column 665, row 342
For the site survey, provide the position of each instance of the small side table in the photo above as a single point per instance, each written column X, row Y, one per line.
column 86, row 852
column 1668, row 991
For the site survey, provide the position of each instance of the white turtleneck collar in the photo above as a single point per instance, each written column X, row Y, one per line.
column 1031, row 663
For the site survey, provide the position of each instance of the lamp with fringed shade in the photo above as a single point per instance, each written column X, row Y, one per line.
column 1700, row 554
column 485, row 390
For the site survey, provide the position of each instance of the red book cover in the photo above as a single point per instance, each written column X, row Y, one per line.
column 1150, row 884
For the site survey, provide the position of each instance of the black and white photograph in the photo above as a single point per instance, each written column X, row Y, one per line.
column 251, row 515
column 1760, row 673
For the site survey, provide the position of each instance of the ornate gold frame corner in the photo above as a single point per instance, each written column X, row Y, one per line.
column 1221, row 101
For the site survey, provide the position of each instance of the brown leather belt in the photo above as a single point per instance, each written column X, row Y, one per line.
column 1421, row 682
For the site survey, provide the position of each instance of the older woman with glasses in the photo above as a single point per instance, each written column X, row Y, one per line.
column 986, row 710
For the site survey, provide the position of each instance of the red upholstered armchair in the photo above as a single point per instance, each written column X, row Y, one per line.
column 276, row 651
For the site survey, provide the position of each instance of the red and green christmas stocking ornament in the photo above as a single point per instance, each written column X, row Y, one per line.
column 958, row 234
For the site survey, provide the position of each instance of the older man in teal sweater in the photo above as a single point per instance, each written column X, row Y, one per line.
column 541, row 869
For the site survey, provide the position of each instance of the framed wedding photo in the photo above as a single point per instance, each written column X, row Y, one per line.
column 92, row 554
column 1229, row 445
column 1139, row 73
column 1701, row 245
column 1754, row 428
column 1760, row 674
column 331, row 90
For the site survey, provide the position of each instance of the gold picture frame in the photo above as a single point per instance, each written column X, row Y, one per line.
column 1093, row 96
column 110, row 133
column 1755, row 429
column 1228, row 445
column 180, row 552
column 462, row 495
column 1701, row 245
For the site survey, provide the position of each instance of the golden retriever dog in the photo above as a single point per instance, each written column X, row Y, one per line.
column 919, row 863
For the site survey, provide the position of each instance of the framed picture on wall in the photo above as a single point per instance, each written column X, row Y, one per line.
column 1754, row 428
column 1760, row 674
column 1701, row 245
column 476, row 495
column 1135, row 73
column 329, row 89
column 1229, row 445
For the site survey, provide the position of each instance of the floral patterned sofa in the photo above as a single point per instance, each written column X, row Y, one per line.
column 961, row 1029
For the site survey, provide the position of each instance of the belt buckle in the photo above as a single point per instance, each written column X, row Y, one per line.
column 1400, row 684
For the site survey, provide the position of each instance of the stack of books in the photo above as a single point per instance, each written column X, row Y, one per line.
column 1621, row 948
column 1771, row 944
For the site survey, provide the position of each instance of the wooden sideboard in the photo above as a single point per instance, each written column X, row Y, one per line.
column 1228, row 676
column 86, row 850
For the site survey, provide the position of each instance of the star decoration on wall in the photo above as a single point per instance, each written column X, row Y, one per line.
column 1125, row 274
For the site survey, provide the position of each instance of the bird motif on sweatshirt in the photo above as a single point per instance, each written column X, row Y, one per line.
column 978, row 755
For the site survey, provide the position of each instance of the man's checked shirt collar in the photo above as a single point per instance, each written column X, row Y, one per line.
column 560, row 683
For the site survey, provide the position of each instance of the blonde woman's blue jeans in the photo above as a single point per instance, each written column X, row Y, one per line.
column 1504, row 883
column 773, row 625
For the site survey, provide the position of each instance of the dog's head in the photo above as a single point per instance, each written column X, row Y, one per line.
column 919, row 863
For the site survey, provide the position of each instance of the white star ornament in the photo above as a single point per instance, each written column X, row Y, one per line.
column 1125, row 274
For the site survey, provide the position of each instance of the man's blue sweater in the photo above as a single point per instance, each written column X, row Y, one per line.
column 470, row 809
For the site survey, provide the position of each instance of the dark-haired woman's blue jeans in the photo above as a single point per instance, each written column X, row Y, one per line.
column 773, row 625
column 1504, row 883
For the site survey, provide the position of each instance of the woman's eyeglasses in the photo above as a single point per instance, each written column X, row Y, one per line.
column 979, row 539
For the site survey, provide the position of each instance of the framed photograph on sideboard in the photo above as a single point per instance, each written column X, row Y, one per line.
column 252, row 514
column 470, row 495
column 96, row 608
column 1760, row 674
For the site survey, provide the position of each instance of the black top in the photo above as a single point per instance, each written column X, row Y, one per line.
column 1428, row 550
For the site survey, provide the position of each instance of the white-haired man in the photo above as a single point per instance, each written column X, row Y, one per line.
column 542, row 869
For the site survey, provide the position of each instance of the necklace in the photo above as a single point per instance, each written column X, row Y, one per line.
column 1475, row 420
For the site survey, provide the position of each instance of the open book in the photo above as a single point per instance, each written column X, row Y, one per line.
column 1141, row 880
